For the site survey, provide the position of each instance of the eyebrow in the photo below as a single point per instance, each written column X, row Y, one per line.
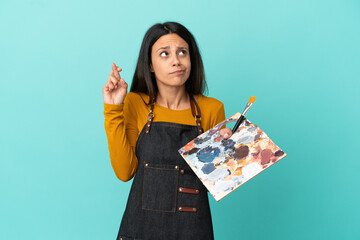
column 167, row 47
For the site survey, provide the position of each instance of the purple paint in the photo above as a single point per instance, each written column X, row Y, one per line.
column 279, row 153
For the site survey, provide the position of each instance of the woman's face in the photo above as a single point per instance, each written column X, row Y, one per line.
column 170, row 61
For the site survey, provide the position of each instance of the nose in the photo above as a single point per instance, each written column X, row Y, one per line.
column 175, row 60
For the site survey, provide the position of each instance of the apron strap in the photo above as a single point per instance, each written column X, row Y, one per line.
column 196, row 114
column 151, row 115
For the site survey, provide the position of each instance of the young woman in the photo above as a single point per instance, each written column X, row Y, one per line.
column 164, row 110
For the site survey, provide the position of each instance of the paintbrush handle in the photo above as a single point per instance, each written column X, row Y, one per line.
column 238, row 123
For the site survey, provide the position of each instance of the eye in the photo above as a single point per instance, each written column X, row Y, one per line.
column 163, row 54
column 182, row 52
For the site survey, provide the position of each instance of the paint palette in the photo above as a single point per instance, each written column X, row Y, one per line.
column 225, row 164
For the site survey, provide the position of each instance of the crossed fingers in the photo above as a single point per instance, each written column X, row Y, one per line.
column 114, row 78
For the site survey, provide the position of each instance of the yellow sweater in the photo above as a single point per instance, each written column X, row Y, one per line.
column 124, row 122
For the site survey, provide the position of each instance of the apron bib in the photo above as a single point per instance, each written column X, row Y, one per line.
column 166, row 200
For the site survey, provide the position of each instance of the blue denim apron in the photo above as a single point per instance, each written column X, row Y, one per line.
column 166, row 200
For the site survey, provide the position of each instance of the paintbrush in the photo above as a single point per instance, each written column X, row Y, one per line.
column 242, row 117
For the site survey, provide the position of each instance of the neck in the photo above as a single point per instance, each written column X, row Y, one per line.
column 175, row 99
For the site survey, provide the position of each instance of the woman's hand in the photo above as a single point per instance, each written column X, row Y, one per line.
column 115, row 89
column 226, row 132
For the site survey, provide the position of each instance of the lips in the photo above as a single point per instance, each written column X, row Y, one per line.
column 178, row 72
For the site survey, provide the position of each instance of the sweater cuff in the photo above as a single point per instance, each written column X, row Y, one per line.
column 113, row 107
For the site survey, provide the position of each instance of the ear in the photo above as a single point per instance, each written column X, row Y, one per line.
column 151, row 68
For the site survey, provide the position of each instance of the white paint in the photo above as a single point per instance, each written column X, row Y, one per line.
column 251, row 170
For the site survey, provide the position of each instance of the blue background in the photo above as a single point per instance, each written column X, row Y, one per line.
column 300, row 58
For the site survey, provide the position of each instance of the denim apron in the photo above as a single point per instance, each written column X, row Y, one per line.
column 166, row 200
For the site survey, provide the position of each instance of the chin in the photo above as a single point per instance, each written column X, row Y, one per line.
column 176, row 81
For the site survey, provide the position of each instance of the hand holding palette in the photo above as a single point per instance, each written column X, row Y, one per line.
column 225, row 164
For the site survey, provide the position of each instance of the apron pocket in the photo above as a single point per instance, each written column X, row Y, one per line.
column 160, row 187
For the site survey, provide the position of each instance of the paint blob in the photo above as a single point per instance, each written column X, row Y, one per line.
column 227, row 144
column 265, row 156
column 241, row 152
column 208, row 168
column 192, row 151
column 208, row 154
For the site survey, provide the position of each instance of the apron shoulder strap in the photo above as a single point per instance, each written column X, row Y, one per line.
column 150, row 117
column 196, row 114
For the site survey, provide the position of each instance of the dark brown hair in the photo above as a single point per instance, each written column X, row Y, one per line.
column 144, row 80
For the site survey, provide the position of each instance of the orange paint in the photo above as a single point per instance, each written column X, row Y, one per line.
column 228, row 178
column 218, row 139
column 231, row 165
column 189, row 146
column 238, row 171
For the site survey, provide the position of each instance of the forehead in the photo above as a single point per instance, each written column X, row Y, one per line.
column 170, row 40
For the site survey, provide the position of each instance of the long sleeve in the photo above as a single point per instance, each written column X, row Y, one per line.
column 219, row 116
column 121, row 131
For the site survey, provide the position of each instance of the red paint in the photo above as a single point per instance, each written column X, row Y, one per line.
column 266, row 154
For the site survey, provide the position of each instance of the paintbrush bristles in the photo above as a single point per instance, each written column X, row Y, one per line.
column 252, row 99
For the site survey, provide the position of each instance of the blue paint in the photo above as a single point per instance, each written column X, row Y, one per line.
column 238, row 179
column 227, row 143
column 200, row 140
column 208, row 168
column 246, row 140
column 219, row 174
column 208, row 154
column 252, row 129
